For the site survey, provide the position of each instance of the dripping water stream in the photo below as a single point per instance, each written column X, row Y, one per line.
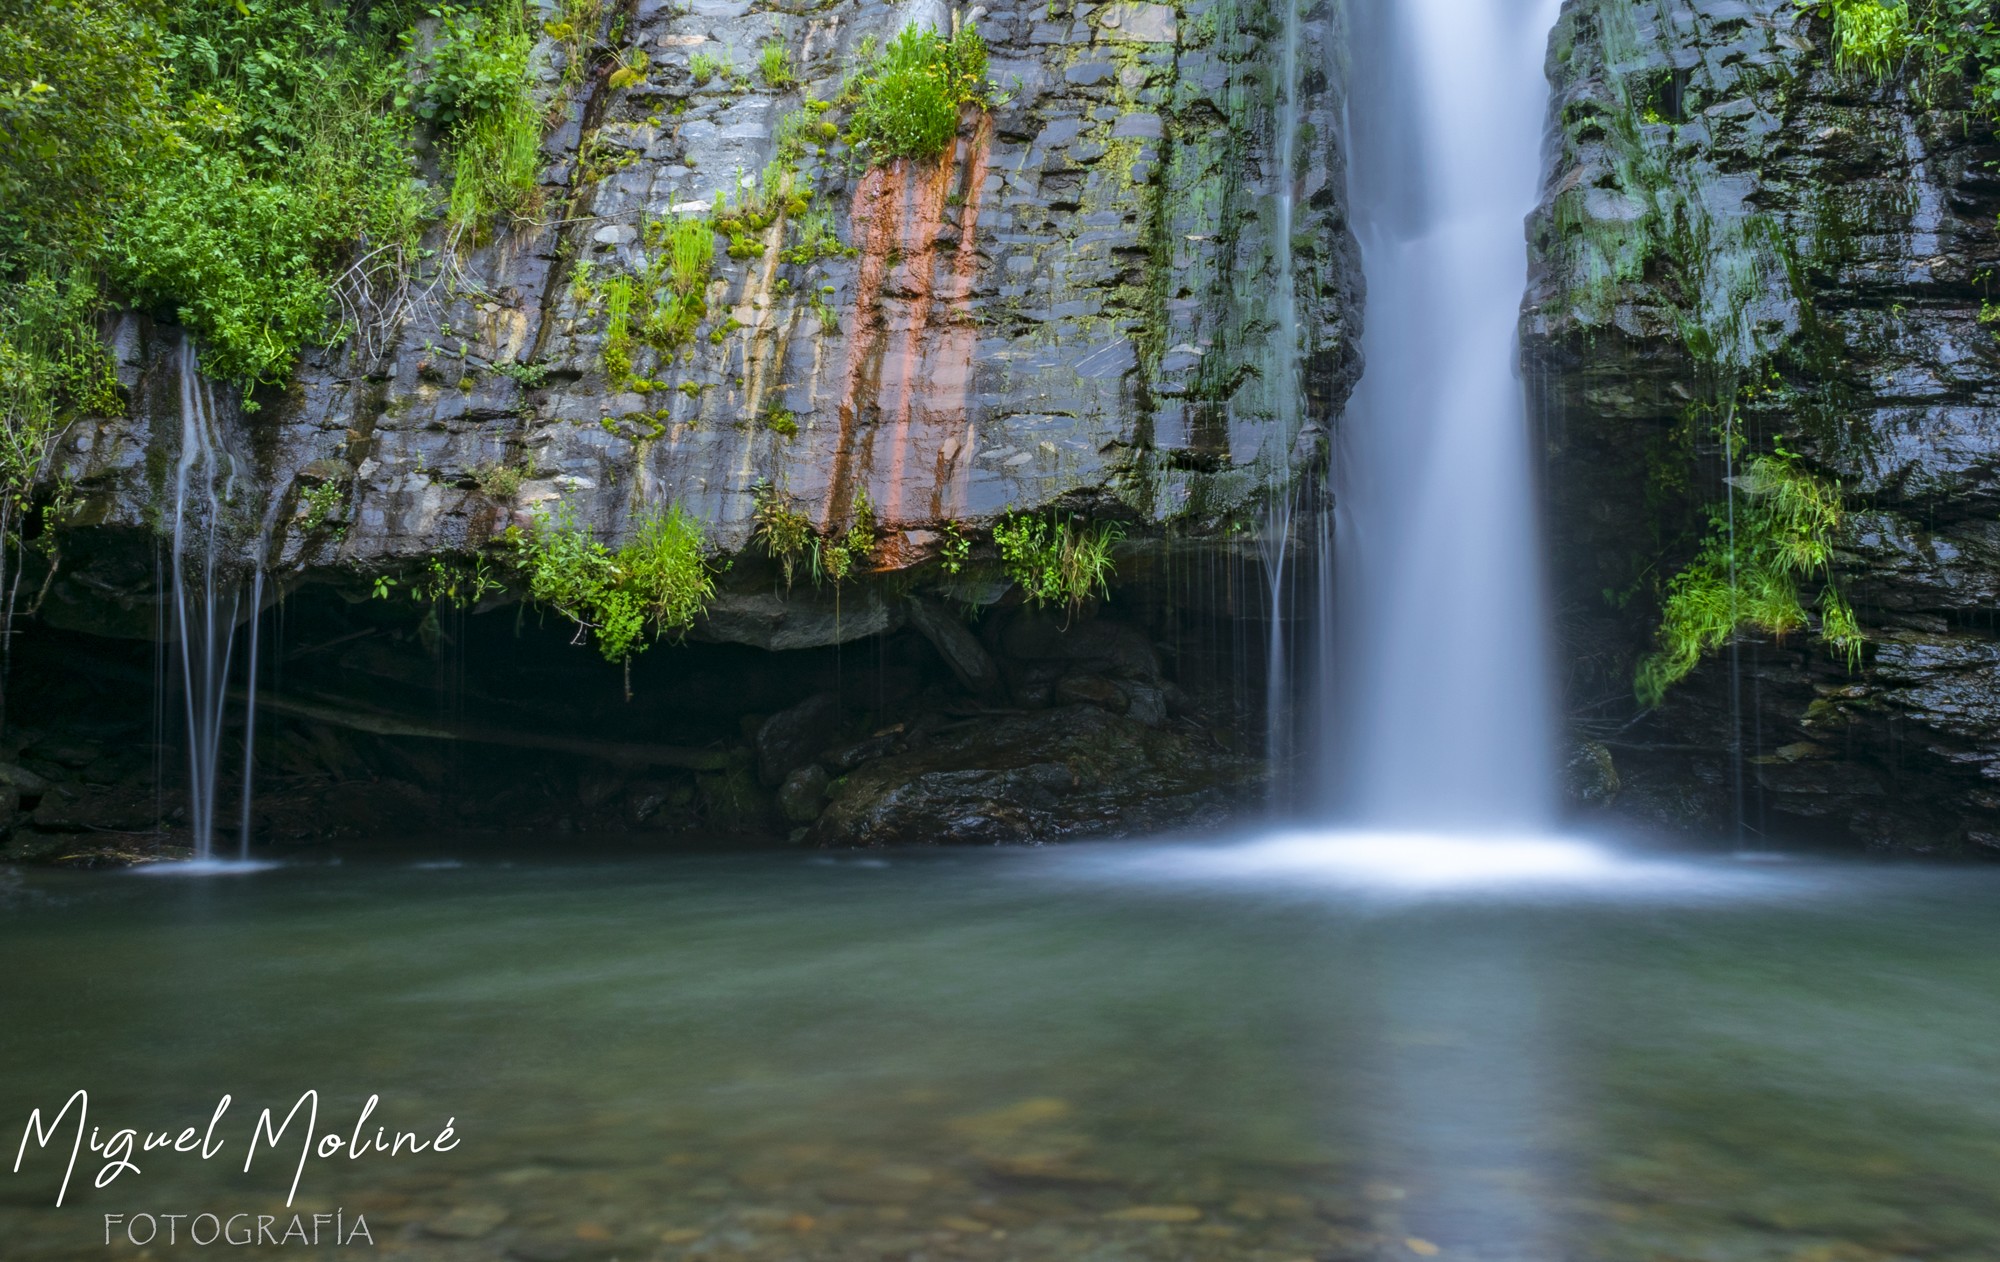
column 207, row 596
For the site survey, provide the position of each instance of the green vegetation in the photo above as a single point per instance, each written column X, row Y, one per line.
column 1870, row 36
column 1748, row 574
column 774, row 62
column 221, row 161
column 782, row 531
column 908, row 101
column 706, row 66
column 956, row 549
column 835, row 556
column 1942, row 41
column 663, row 304
column 656, row 585
column 1058, row 560
column 499, row 481
column 320, row 503
column 460, row 582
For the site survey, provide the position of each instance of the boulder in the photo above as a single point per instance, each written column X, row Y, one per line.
column 791, row 739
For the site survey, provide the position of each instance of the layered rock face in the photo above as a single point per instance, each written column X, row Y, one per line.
column 1075, row 302
column 1742, row 251
column 1076, row 307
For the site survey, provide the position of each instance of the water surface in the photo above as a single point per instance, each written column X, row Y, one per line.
column 1123, row 1052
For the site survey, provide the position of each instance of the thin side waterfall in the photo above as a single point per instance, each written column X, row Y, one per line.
column 207, row 598
column 1443, row 697
column 1285, row 392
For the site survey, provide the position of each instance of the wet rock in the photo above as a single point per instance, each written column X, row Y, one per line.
column 804, row 619
column 1074, row 771
column 1102, row 645
column 968, row 659
column 67, row 753
column 24, row 781
column 733, row 801
column 1090, row 690
column 791, row 739
column 1590, row 776
column 846, row 758
column 1850, row 222
column 803, row 794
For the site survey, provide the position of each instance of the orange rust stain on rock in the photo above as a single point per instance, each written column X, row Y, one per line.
column 874, row 214
column 910, row 356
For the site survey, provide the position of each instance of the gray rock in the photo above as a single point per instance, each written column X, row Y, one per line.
column 961, row 651
column 803, row 794
column 789, row 740
column 23, row 780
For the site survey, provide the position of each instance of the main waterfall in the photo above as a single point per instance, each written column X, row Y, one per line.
column 1440, row 688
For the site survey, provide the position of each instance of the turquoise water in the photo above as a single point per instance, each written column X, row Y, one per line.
column 1119, row 1052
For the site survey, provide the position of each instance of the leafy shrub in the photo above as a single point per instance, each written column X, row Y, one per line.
column 1749, row 576
column 1058, row 560
column 658, row 583
column 320, row 503
column 956, row 549
column 241, row 258
column 909, row 100
column 475, row 65
column 479, row 85
column 52, row 367
column 705, row 66
column 281, row 158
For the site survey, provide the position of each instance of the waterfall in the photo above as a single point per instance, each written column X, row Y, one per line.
column 207, row 598
column 1443, row 697
column 1285, row 393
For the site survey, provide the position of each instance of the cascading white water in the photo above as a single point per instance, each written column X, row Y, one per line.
column 207, row 599
column 1286, row 393
column 1442, row 697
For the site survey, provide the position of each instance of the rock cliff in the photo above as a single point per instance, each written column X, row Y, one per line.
column 1074, row 308
column 1742, row 250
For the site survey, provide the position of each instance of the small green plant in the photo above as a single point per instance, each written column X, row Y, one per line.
column 1747, row 574
column 532, row 376
column 774, row 62
column 706, row 66
column 618, row 293
column 781, row 530
column 458, row 582
column 908, row 102
column 1058, row 560
column 499, row 481
column 955, row 549
column 835, row 556
column 318, row 504
column 781, row 421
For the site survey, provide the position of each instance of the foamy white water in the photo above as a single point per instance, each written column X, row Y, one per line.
column 1443, row 696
